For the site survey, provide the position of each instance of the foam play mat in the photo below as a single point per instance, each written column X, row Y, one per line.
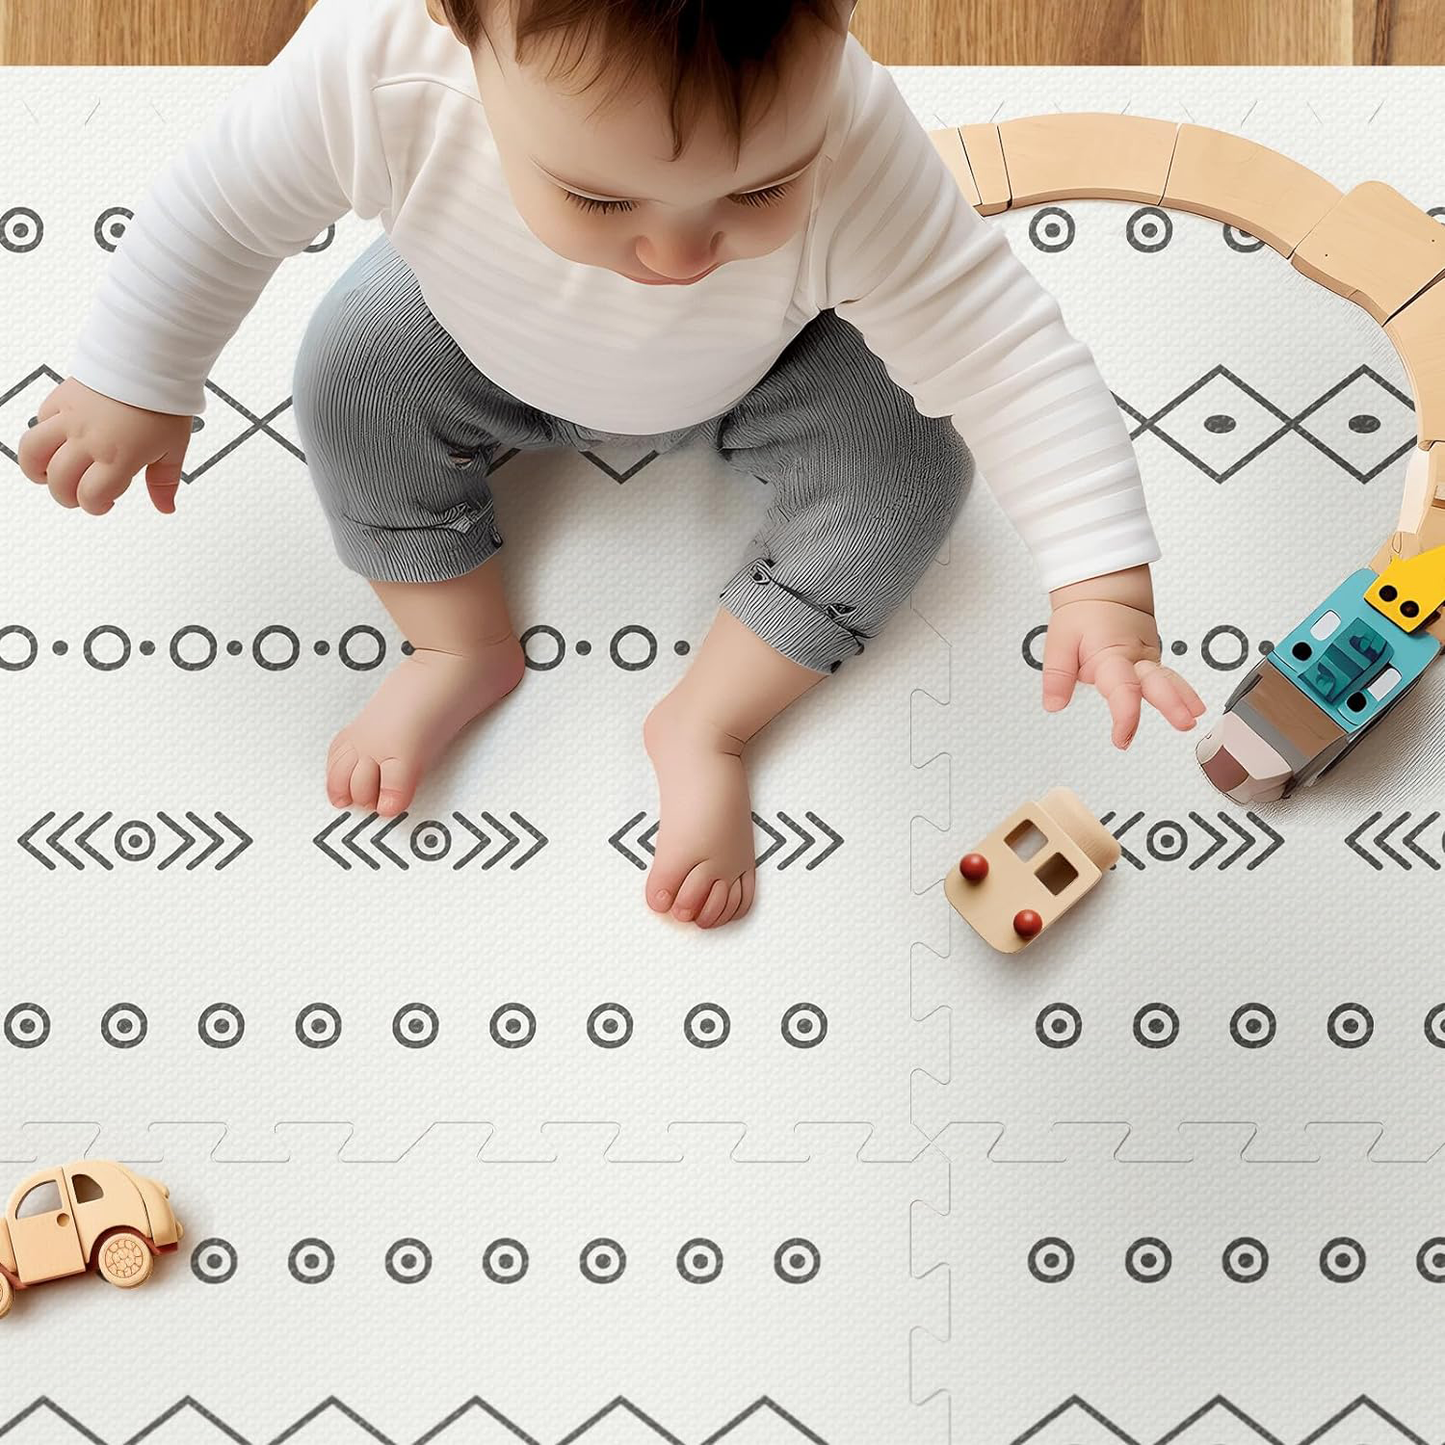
column 470, row 1146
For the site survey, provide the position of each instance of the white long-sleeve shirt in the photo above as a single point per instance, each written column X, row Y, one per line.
column 372, row 108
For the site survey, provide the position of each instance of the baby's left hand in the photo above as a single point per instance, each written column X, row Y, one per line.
column 1102, row 632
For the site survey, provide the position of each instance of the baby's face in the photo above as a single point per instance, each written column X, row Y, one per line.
column 602, row 189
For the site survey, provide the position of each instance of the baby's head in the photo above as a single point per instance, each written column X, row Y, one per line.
column 657, row 138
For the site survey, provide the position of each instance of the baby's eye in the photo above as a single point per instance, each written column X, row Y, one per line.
column 591, row 203
column 765, row 197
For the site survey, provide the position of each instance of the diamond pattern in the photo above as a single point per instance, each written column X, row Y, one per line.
column 1363, row 424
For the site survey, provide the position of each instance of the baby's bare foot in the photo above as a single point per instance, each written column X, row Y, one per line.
column 377, row 760
column 704, row 867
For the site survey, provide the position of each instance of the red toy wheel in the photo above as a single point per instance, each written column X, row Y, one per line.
column 1027, row 923
column 974, row 867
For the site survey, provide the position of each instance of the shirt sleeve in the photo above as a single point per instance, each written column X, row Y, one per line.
column 966, row 329
column 292, row 149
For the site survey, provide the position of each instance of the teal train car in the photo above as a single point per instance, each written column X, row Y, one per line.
column 1303, row 706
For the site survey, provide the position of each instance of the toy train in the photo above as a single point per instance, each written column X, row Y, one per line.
column 1304, row 705
column 1313, row 698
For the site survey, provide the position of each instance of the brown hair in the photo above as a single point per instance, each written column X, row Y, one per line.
column 702, row 53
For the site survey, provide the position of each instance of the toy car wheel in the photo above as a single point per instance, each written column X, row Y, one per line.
column 7, row 1296
column 124, row 1260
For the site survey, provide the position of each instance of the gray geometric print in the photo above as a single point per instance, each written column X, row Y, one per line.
column 594, row 1428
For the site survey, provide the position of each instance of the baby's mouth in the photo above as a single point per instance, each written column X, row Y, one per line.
column 669, row 281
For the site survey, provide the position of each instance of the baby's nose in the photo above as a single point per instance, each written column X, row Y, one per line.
column 678, row 256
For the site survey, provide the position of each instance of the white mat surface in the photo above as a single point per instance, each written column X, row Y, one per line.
column 927, row 1144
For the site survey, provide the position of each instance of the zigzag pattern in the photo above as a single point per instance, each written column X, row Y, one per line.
column 1076, row 1405
column 437, row 1431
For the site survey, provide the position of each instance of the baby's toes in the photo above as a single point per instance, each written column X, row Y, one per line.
column 730, row 905
column 399, row 778
column 749, row 882
column 716, row 904
column 340, row 762
column 365, row 781
column 663, row 882
column 694, row 892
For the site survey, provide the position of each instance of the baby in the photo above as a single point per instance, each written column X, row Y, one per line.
column 743, row 238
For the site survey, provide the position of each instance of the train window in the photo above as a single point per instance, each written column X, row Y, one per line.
column 1324, row 625
column 1385, row 683
column 1056, row 873
column 1026, row 840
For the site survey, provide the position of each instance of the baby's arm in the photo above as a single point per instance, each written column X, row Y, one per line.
column 970, row 333
column 291, row 150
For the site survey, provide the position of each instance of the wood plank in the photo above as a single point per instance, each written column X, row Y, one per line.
column 147, row 32
column 1248, row 32
column 895, row 32
column 1404, row 32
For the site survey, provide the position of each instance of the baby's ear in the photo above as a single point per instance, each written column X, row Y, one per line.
column 434, row 9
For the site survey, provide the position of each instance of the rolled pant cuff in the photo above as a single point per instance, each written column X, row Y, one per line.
column 416, row 554
column 799, row 629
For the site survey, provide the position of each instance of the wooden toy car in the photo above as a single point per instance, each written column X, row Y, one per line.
column 1031, row 870
column 92, row 1214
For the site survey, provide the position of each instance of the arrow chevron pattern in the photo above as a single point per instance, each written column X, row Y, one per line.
column 796, row 841
column 1403, row 849
column 429, row 841
column 621, row 1405
column 138, row 840
column 135, row 840
column 1168, row 841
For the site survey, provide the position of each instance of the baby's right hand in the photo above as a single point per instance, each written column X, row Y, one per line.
column 86, row 447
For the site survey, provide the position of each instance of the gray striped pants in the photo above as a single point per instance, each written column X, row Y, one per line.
column 400, row 430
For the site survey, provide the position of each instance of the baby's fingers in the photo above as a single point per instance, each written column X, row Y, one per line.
column 1192, row 700
column 39, row 443
column 99, row 487
column 1168, row 692
column 1116, row 679
column 1061, row 668
column 162, row 480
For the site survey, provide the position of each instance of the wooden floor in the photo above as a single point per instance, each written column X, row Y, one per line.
column 897, row 32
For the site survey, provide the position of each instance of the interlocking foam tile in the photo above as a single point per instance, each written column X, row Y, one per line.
column 435, row 1099
column 460, row 1028
column 402, row 1288
column 1272, row 968
column 1277, row 1291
